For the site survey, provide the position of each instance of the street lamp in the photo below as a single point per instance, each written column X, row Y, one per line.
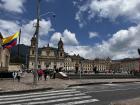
column 47, row 13
column 37, row 35
column 36, row 45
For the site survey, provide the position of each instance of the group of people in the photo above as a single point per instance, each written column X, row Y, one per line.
column 16, row 75
column 46, row 73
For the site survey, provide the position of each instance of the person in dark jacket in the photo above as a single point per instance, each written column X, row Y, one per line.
column 45, row 74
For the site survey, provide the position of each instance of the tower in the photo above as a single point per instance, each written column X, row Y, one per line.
column 60, row 49
column 48, row 50
column 31, row 62
column 33, row 43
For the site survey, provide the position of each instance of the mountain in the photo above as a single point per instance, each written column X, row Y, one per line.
column 19, row 54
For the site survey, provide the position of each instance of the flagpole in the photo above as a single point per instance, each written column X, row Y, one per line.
column 18, row 45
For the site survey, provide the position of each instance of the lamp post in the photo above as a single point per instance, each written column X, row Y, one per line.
column 36, row 46
column 37, row 35
column 80, row 68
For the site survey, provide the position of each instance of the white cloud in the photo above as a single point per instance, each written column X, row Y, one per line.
column 68, row 38
column 112, row 9
column 55, row 38
column 122, row 44
column 84, row 51
column 93, row 34
column 13, row 5
column 10, row 27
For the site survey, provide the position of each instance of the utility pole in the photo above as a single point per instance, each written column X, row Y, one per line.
column 36, row 47
column 139, row 58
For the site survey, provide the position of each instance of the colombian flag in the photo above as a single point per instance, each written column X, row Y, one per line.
column 10, row 41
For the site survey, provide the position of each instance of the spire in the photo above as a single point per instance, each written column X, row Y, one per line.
column 60, row 44
column 48, row 45
column 60, row 41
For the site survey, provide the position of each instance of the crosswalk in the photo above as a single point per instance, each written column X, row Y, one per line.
column 57, row 97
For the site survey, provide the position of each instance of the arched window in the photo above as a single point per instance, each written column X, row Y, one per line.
column 61, row 54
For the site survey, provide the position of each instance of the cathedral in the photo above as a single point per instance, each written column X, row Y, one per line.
column 48, row 57
column 56, row 58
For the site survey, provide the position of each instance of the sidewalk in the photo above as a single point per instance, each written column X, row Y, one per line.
column 26, row 83
column 135, row 101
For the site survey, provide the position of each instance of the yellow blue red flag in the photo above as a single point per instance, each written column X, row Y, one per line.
column 10, row 41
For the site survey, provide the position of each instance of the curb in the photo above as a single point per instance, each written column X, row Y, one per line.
column 96, row 83
column 125, row 82
column 84, row 84
column 24, row 91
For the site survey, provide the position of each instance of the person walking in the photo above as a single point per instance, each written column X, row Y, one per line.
column 18, row 75
column 54, row 73
column 45, row 74
column 14, row 74
column 40, row 73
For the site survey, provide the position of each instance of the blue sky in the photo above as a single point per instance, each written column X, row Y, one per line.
column 91, row 28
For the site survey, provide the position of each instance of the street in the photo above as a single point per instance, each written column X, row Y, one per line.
column 56, row 97
column 106, row 93
column 102, row 94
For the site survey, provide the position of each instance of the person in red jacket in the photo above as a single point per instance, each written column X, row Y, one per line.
column 40, row 73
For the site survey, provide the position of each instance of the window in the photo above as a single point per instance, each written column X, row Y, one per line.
column 33, row 43
column 33, row 51
column 61, row 54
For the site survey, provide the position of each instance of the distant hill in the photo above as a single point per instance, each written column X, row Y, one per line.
column 19, row 57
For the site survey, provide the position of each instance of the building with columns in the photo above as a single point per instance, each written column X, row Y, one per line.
column 48, row 57
column 4, row 56
column 4, row 59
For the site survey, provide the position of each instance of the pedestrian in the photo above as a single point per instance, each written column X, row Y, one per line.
column 45, row 74
column 14, row 74
column 18, row 75
column 54, row 73
column 40, row 73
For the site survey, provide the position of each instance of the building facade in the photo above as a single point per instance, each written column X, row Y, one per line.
column 4, row 59
column 56, row 58
column 48, row 57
